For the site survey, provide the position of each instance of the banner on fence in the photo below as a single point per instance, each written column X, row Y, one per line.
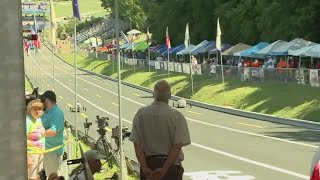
column 199, row 69
column 186, row 68
column 314, row 78
column 300, row 77
column 171, row 66
column 152, row 63
column 178, row 67
column 165, row 66
column 157, row 65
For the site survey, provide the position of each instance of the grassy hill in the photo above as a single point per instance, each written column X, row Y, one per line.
column 87, row 8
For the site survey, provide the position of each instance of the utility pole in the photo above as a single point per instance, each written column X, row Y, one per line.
column 12, row 92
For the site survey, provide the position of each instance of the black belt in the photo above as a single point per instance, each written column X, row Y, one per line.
column 160, row 156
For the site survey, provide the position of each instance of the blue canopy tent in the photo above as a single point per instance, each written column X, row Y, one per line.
column 302, row 51
column 271, row 47
column 251, row 51
column 206, row 48
column 224, row 47
column 313, row 52
column 162, row 49
column 157, row 48
column 124, row 46
column 292, row 45
column 174, row 50
column 186, row 50
column 192, row 48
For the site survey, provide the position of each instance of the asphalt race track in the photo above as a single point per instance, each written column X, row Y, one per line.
column 223, row 146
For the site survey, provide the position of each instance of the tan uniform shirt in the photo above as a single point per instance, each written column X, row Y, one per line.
column 158, row 127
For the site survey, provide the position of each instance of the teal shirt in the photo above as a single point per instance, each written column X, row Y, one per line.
column 54, row 120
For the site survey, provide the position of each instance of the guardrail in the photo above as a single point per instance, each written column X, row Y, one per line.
column 238, row 112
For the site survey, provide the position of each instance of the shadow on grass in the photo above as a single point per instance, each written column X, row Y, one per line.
column 271, row 98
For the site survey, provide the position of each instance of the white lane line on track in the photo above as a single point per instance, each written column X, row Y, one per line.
column 194, row 120
column 274, row 168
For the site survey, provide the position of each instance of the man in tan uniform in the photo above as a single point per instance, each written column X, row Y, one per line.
column 159, row 133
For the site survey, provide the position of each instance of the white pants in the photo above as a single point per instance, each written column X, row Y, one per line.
column 35, row 165
column 52, row 163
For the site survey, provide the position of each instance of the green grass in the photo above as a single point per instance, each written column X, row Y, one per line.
column 87, row 8
column 275, row 98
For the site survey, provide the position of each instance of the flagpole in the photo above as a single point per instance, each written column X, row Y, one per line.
column 149, row 56
column 134, row 63
column 168, row 63
column 123, row 175
column 52, row 50
column 148, row 39
column 187, row 37
column 75, row 81
column 222, row 76
column 191, row 76
column 218, row 45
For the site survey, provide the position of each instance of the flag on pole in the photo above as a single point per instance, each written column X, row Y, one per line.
column 187, row 37
column 168, row 39
column 53, row 23
column 218, row 38
column 148, row 36
column 34, row 32
column 75, row 6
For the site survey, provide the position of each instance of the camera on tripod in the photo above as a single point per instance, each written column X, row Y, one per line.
column 116, row 133
column 102, row 122
column 87, row 124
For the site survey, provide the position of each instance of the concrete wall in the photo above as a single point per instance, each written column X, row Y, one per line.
column 13, row 155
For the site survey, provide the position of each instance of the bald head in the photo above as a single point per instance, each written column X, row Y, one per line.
column 162, row 91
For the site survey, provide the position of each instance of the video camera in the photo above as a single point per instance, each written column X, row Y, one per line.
column 34, row 95
column 87, row 124
column 116, row 133
column 102, row 124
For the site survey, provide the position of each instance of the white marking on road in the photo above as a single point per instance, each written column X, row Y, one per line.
column 84, row 115
column 193, row 143
column 86, row 89
column 251, row 161
column 250, row 133
column 60, row 97
column 197, row 121
column 115, row 104
column 218, row 175
column 48, row 85
column 98, row 95
column 251, row 125
column 106, row 83
column 136, row 94
column 70, row 105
